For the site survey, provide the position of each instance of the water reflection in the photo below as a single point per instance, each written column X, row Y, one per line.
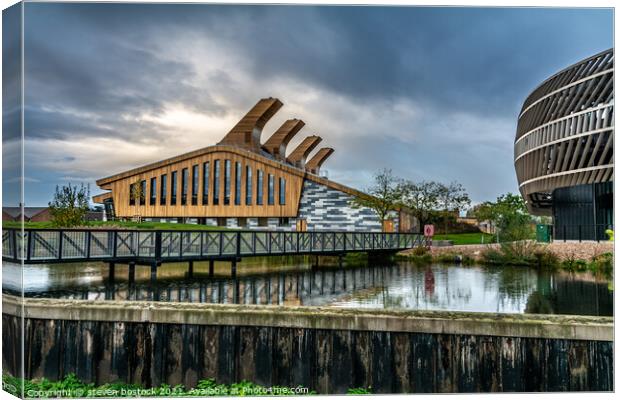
column 293, row 281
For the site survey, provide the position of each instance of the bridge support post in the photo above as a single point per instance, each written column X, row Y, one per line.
column 340, row 260
column 236, row 291
column 211, row 268
column 111, row 271
column 233, row 267
column 132, row 272
column 190, row 270
column 154, row 287
column 153, row 272
column 315, row 265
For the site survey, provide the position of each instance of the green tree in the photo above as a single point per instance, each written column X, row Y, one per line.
column 69, row 206
column 509, row 215
column 421, row 198
column 385, row 195
column 137, row 196
column 450, row 200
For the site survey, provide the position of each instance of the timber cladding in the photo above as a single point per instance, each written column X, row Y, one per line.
column 119, row 185
column 293, row 185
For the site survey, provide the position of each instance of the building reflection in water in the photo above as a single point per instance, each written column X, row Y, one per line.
column 402, row 285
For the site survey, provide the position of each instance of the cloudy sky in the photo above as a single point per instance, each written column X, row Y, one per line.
column 432, row 93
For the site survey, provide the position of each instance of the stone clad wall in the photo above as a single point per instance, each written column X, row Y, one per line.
column 329, row 209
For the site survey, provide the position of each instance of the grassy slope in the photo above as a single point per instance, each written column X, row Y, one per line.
column 120, row 225
column 466, row 238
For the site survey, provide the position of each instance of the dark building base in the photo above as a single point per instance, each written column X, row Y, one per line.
column 583, row 212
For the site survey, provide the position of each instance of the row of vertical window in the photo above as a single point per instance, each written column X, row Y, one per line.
column 208, row 190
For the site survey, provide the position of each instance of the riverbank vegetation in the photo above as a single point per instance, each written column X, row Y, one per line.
column 521, row 253
column 71, row 386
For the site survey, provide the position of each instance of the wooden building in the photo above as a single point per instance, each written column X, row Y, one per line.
column 240, row 182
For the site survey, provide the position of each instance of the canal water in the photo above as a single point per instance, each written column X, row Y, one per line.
column 294, row 281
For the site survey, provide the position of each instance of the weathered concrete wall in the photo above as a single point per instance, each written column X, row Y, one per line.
column 324, row 349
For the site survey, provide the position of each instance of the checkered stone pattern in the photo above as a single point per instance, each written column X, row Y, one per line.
column 327, row 209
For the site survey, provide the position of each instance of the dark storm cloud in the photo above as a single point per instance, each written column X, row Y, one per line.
column 107, row 70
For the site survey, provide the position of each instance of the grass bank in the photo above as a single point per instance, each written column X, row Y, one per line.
column 467, row 238
column 119, row 225
column 525, row 253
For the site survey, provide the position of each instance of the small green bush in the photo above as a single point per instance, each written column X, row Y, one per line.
column 420, row 251
column 359, row 391
column 603, row 264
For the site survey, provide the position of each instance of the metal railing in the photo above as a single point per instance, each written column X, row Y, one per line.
column 56, row 245
column 581, row 232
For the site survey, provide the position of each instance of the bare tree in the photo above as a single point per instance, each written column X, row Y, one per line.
column 385, row 195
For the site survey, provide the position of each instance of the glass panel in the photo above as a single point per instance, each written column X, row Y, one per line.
column 248, row 185
column 143, row 192
column 216, row 182
column 153, row 192
column 270, row 184
column 237, row 183
column 184, row 183
column 173, row 183
column 226, row 182
column 259, row 187
column 195, row 185
column 205, row 183
column 164, row 190
column 282, row 191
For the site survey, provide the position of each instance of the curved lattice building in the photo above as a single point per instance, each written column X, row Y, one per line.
column 564, row 148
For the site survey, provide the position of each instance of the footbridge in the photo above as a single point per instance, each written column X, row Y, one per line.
column 152, row 248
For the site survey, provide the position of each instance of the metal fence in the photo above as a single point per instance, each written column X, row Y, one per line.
column 47, row 246
column 581, row 232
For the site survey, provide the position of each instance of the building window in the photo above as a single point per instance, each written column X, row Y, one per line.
column 282, row 192
column 143, row 192
column 242, row 222
column 259, row 187
column 270, row 183
column 226, row 182
column 195, row 185
column 153, row 192
column 184, row 183
column 262, row 221
column 216, row 182
column 132, row 191
column 248, row 185
column 173, row 184
column 283, row 221
column 205, row 183
column 163, row 190
column 237, row 183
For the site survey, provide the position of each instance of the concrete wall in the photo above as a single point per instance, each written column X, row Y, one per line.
column 328, row 350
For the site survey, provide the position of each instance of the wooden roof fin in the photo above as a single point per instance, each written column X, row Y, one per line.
column 314, row 165
column 276, row 144
column 301, row 152
column 246, row 134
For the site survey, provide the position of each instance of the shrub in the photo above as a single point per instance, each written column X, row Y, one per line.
column 603, row 264
column 574, row 265
column 419, row 251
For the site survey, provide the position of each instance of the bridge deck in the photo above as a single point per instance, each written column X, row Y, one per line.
column 35, row 246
